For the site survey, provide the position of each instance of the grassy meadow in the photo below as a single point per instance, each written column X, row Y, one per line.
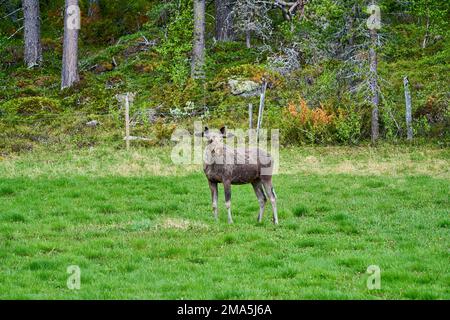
column 140, row 227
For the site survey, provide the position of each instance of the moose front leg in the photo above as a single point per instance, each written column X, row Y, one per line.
column 227, row 188
column 214, row 196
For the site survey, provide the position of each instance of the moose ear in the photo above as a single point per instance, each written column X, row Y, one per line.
column 222, row 131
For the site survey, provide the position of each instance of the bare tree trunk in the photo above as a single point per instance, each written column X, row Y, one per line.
column 374, row 85
column 248, row 38
column 32, row 33
column 409, row 130
column 198, row 54
column 224, row 23
column 70, row 52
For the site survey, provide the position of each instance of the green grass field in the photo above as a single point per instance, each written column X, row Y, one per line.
column 141, row 228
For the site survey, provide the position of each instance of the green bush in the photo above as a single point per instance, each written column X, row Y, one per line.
column 30, row 106
column 348, row 126
column 177, row 45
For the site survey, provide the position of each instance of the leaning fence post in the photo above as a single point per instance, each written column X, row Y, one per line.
column 409, row 130
column 261, row 108
column 127, row 121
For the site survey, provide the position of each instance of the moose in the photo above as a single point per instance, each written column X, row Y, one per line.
column 234, row 166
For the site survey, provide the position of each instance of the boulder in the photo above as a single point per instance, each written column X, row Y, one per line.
column 244, row 88
column 92, row 123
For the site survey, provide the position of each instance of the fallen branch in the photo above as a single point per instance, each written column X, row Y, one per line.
column 133, row 138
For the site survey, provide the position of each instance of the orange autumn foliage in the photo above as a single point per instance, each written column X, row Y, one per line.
column 317, row 117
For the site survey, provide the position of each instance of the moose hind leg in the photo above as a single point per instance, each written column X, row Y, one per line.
column 214, row 196
column 257, row 186
column 273, row 199
column 227, row 188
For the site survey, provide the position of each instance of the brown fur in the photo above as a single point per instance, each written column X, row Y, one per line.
column 227, row 165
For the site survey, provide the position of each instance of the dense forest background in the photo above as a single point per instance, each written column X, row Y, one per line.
column 314, row 55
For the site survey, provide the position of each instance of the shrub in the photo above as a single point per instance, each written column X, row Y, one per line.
column 302, row 124
column 251, row 72
column 348, row 126
column 177, row 45
column 30, row 106
column 163, row 132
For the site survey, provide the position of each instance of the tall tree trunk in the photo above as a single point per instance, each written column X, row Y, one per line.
column 374, row 85
column 32, row 33
column 248, row 37
column 198, row 54
column 224, row 23
column 70, row 52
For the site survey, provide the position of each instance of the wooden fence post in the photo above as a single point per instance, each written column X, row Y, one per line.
column 250, row 115
column 261, row 108
column 409, row 129
column 127, row 121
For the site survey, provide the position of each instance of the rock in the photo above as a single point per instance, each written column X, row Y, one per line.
column 92, row 123
column 244, row 88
